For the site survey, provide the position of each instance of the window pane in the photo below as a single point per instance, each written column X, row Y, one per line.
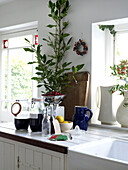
column 19, row 41
column 21, row 73
column 4, row 106
column 121, row 47
column 4, row 74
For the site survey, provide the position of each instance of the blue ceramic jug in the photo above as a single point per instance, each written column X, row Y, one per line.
column 81, row 117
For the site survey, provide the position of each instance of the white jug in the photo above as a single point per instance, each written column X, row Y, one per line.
column 108, row 106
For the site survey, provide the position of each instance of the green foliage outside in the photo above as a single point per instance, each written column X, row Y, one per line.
column 21, row 84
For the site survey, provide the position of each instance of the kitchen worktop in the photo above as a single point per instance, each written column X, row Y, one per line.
column 94, row 133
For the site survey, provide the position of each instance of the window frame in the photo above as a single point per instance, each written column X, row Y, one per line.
column 5, row 114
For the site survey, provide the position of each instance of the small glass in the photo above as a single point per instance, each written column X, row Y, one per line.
column 46, row 124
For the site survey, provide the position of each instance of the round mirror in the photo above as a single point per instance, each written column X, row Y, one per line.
column 16, row 108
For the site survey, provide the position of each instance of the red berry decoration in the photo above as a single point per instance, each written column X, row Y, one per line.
column 78, row 45
column 53, row 93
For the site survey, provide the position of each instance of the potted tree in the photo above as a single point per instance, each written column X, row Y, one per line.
column 51, row 70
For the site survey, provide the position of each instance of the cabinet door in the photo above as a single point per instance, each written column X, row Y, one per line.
column 32, row 158
column 29, row 159
column 51, row 162
column 7, row 156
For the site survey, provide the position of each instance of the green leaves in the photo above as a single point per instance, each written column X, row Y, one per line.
column 39, row 73
column 29, row 50
column 51, row 69
column 79, row 67
column 51, row 26
column 32, row 62
column 60, row 3
column 49, row 61
column 64, row 35
column 66, row 64
column 52, row 64
column 110, row 27
column 44, row 57
column 70, row 39
column 121, row 72
column 40, row 85
column 120, row 88
column 51, row 5
column 38, row 49
column 67, row 4
column 45, row 39
column 67, row 48
column 52, row 34
column 35, row 78
column 74, row 69
column 27, row 40
column 65, row 24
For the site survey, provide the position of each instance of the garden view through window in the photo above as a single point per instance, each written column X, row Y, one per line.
column 121, row 45
column 16, row 72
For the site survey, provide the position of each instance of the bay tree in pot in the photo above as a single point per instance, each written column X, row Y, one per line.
column 52, row 71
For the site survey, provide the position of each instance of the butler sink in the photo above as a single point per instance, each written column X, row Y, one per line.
column 109, row 153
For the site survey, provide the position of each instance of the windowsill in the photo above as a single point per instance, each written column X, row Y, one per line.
column 113, row 127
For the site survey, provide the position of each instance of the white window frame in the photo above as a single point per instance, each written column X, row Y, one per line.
column 6, row 115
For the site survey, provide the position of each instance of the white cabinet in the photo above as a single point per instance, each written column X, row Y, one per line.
column 34, row 158
column 19, row 156
column 7, row 155
column 29, row 159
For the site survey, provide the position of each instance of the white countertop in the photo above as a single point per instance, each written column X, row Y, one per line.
column 93, row 133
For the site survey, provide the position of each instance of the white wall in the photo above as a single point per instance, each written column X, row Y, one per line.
column 81, row 16
column 20, row 11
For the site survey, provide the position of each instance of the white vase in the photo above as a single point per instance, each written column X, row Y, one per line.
column 122, row 111
column 108, row 106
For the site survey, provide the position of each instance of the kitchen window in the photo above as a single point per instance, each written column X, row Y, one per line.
column 105, row 53
column 15, row 74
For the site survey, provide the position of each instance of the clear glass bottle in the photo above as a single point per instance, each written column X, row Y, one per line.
column 46, row 124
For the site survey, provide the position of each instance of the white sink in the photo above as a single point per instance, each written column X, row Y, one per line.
column 109, row 153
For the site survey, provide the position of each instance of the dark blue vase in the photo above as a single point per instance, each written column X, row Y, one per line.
column 81, row 117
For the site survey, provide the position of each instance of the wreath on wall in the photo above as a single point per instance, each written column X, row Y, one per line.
column 77, row 47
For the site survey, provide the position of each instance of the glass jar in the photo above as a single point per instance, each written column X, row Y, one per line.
column 36, row 106
column 20, row 110
column 36, row 114
column 20, row 106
